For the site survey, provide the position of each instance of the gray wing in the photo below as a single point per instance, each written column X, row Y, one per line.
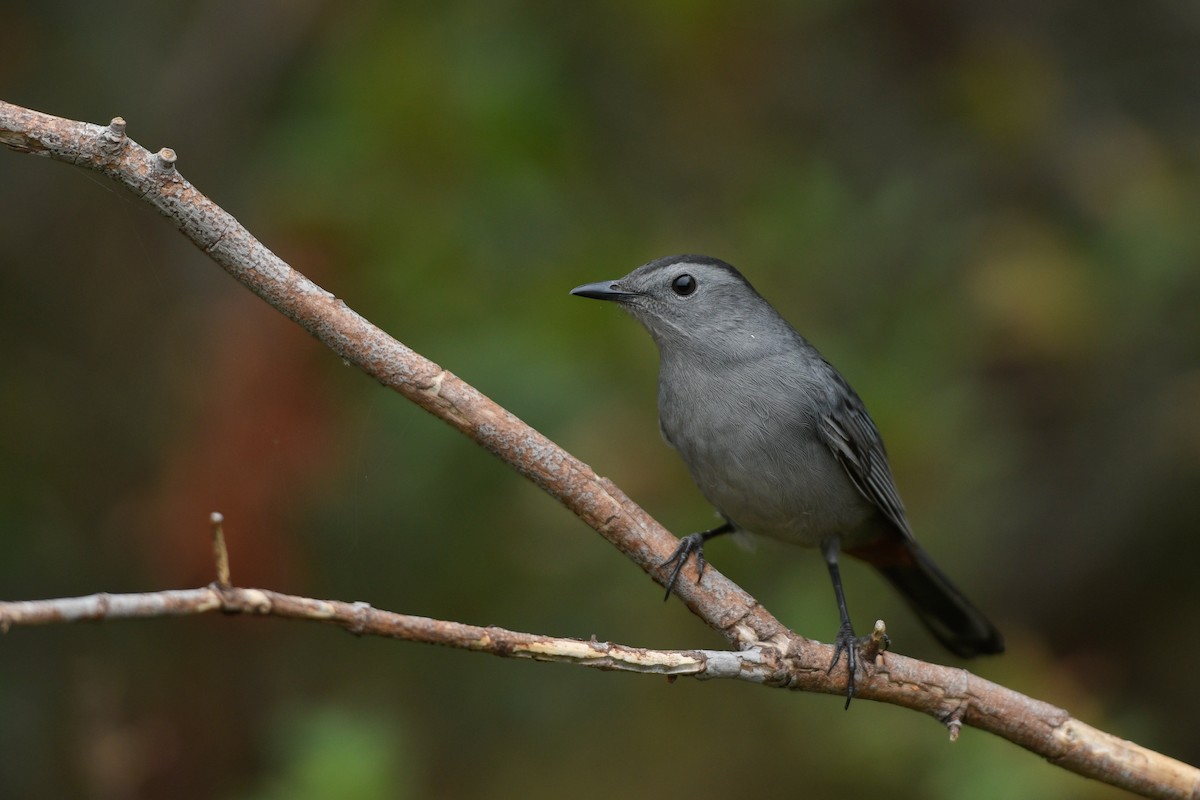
column 849, row 432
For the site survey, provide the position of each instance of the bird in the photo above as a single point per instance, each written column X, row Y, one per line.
column 780, row 444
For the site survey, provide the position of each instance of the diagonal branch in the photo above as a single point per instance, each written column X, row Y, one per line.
column 953, row 696
column 153, row 178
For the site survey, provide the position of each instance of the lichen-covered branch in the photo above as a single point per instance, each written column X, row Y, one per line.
column 953, row 696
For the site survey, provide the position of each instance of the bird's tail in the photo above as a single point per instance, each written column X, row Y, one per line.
column 949, row 616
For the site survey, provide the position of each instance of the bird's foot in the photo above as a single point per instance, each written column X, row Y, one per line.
column 846, row 642
column 688, row 545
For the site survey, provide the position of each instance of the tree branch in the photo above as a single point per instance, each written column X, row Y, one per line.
column 363, row 620
column 1040, row 727
column 787, row 660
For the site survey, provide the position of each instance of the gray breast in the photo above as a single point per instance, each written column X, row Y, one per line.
column 747, row 433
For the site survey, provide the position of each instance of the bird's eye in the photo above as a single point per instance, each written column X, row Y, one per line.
column 683, row 285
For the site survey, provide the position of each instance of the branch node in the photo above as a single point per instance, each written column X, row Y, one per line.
column 115, row 132
column 243, row 601
column 166, row 159
column 954, row 722
column 876, row 643
column 362, row 614
column 220, row 553
column 434, row 387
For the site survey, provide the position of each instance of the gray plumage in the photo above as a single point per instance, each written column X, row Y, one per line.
column 777, row 440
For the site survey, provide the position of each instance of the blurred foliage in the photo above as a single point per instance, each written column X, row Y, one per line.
column 984, row 213
column 337, row 753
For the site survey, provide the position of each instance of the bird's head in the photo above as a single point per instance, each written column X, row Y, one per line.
column 692, row 302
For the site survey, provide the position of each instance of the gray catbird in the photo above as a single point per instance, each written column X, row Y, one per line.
column 778, row 441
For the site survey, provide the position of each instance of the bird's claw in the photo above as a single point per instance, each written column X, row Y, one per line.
column 846, row 642
column 693, row 543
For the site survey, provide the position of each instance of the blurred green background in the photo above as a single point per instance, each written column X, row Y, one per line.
column 985, row 214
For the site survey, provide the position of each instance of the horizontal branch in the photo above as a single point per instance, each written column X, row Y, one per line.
column 1066, row 741
column 363, row 620
column 954, row 696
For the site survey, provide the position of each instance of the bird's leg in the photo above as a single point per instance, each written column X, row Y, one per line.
column 846, row 642
column 693, row 543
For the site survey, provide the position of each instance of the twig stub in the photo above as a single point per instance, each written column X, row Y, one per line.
column 220, row 553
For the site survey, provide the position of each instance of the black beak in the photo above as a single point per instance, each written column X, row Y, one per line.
column 602, row 290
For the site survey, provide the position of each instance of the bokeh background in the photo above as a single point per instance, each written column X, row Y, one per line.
column 985, row 213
